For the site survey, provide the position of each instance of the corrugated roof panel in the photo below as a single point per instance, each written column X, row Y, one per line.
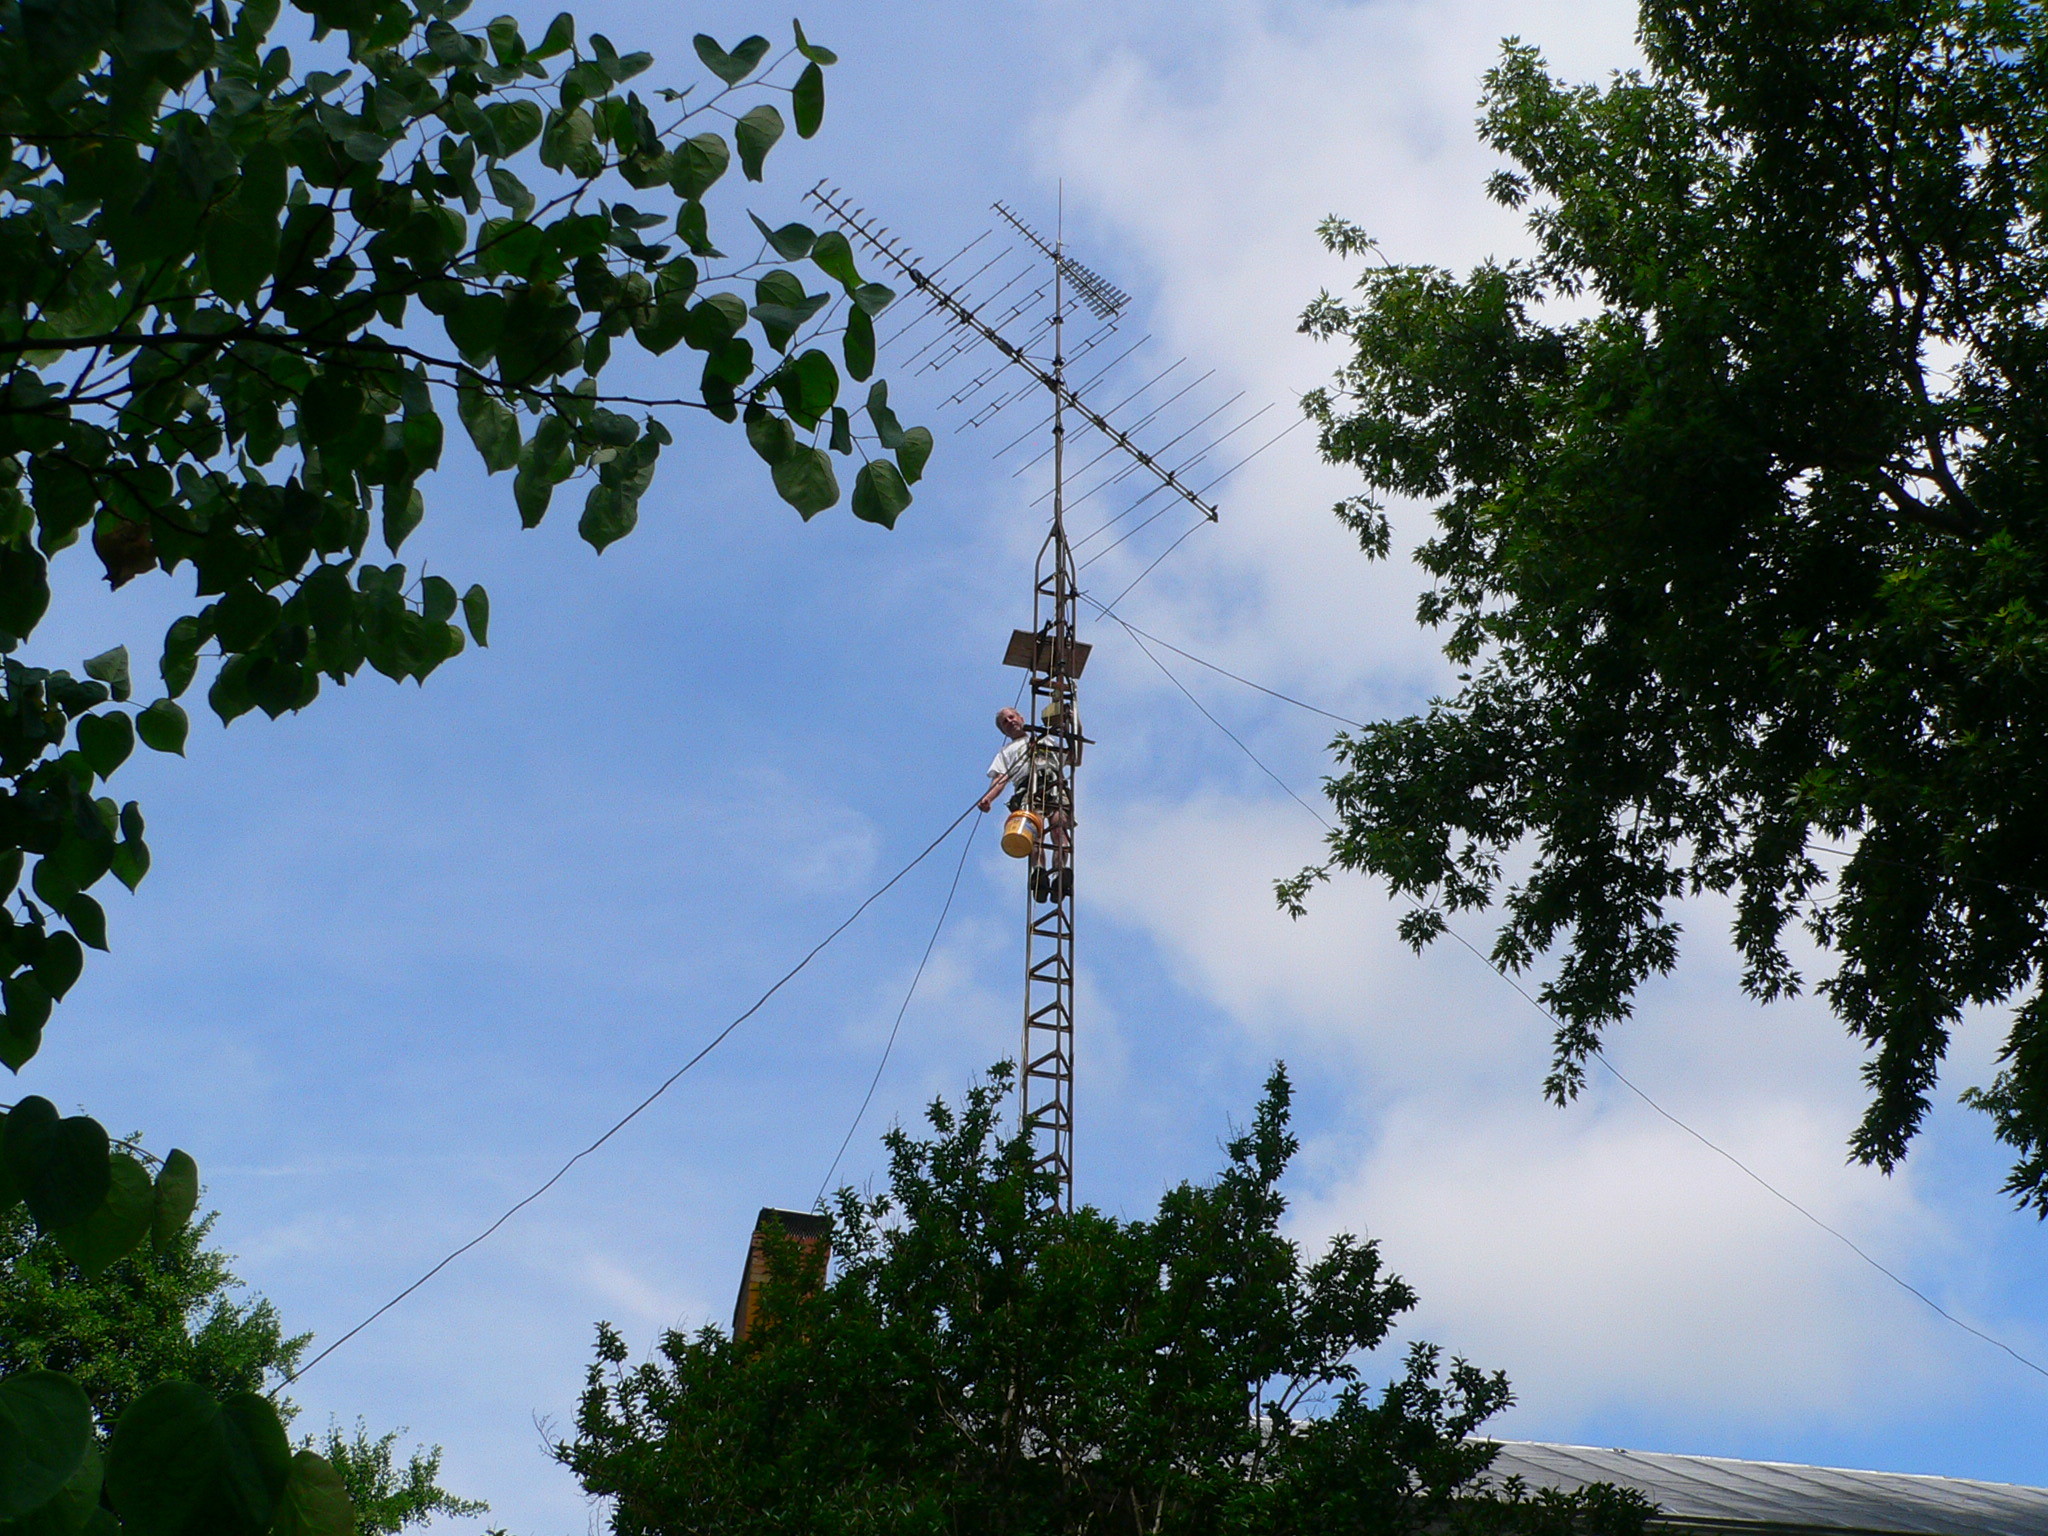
column 1716, row 1492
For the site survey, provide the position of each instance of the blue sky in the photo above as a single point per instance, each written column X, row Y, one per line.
column 401, row 955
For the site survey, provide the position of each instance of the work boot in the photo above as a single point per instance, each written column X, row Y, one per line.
column 1059, row 884
column 1041, row 885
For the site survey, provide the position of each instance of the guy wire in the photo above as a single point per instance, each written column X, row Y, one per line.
column 626, row 1119
column 890, row 1045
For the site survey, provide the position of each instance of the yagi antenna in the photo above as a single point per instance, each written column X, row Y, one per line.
column 1096, row 291
column 964, row 315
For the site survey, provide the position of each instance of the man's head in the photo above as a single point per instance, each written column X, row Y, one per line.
column 1010, row 723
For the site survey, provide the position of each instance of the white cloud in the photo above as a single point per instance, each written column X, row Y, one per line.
column 1608, row 1262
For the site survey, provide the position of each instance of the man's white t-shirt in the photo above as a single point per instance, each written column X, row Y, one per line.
column 1013, row 763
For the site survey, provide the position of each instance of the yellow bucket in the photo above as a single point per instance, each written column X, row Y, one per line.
column 1021, row 833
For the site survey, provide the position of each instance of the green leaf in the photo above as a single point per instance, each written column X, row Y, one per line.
column 873, row 298
column 477, row 326
column 437, row 599
column 106, row 740
column 181, row 653
column 699, row 161
column 75, row 1511
column 59, row 964
column 714, row 320
column 912, row 453
column 129, row 862
column 570, row 143
column 111, row 668
column 241, row 234
column 61, row 1166
column 46, row 1435
column 832, row 255
column 842, row 430
column 693, row 227
column 331, row 407
column 118, row 1227
column 21, row 1025
column 732, row 67
column 163, row 727
column 807, row 101
column 492, row 427
column 175, row 1198
column 24, row 591
column 404, row 507
column 772, row 436
column 88, row 920
column 809, row 386
column 805, row 480
column 531, row 493
column 560, row 37
column 476, row 613
column 792, row 242
column 879, row 494
column 859, row 345
column 315, row 1501
column 516, row 124
column 754, row 135
column 608, row 516
column 811, row 50
column 887, row 428
column 182, row 1464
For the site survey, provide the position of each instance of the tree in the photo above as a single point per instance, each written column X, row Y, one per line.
column 238, row 295
column 1741, row 547
column 172, row 1314
column 385, row 1498
column 158, row 1314
column 982, row 1362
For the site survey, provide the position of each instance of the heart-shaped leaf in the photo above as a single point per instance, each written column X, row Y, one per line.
column 699, row 161
column 735, row 66
column 476, row 613
column 805, row 480
column 176, row 1197
column 772, row 436
column 61, row 1166
column 754, row 135
column 45, row 1438
column 121, row 1223
column 807, row 101
column 859, row 345
column 792, row 242
column 834, row 257
column 163, row 727
column 111, row 668
column 106, row 740
column 879, row 494
column 912, row 453
column 315, row 1501
column 887, row 428
column 182, row 1464
column 811, row 50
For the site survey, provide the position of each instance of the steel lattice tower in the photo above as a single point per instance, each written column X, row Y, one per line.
column 1052, row 653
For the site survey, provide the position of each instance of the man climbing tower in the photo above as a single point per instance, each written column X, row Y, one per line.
column 1029, row 766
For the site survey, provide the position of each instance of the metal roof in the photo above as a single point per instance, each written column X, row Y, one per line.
column 1712, row 1493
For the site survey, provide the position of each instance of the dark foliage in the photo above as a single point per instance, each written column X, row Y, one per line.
column 1742, row 542
column 979, row 1363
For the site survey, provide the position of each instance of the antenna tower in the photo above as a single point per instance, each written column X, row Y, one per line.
column 1051, row 651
